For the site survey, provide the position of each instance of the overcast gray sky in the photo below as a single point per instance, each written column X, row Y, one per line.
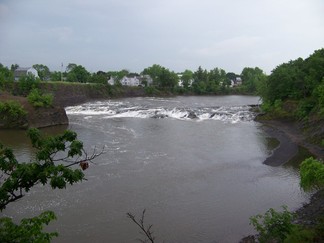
column 177, row 34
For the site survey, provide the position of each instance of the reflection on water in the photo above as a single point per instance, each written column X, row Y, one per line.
column 300, row 156
column 199, row 179
column 20, row 143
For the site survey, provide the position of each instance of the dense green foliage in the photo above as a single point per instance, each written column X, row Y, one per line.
column 300, row 80
column 26, row 84
column 311, row 174
column 37, row 99
column 211, row 82
column 21, row 177
column 43, row 71
column 11, row 112
column 77, row 73
column 274, row 226
column 17, row 178
column 252, row 79
column 162, row 77
column 29, row 229
column 6, row 78
column 165, row 81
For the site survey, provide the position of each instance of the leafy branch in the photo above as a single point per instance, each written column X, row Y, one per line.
column 18, row 178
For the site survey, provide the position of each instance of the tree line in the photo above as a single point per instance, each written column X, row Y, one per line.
column 200, row 81
column 298, row 84
column 300, row 81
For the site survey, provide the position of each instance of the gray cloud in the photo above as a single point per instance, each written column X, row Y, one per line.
column 182, row 34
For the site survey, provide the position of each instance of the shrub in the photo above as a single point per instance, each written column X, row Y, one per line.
column 274, row 226
column 37, row 99
column 11, row 113
column 266, row 106
column 305, row 107
column 26, row 84
column 311, row 174
column 29, row 229
column 6, row 83
column 150, row 90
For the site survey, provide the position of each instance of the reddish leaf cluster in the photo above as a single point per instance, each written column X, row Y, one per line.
column 84, row 165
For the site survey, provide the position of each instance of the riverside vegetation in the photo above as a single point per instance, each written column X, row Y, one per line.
column 294, row 91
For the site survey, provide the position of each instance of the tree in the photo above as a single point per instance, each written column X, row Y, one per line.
column 187, row 78
column 154, row 71
column 55, row 76
column 70, row 67
column 296, row 79
column 200, row 75
column 167, row 79
column 52, row 165
column 14, row 67
column 43, row 71
column 216, row 78
column 162, row 77
column 99, row 77
column 6, row 78
column 231, row 76
column 200, row 79
column 77, row 73
column 117, row 75
column 210, row 82
column 252, row 78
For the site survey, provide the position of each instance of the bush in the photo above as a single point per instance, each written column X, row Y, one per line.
column 266, row 106
column 26, row 84
column 11, row 113
column 274, row 226
column 305, row 107
column 311, row 174
column 29, row 229
column 150, row 90
column 37, row 99
column 6, row 83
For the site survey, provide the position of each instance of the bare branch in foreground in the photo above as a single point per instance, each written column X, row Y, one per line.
column 84, row 162
column 146, row 231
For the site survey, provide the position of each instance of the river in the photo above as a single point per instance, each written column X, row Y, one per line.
column 194, row 163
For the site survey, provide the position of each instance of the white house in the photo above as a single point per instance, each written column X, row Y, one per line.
column 132, row 80
column 146, row 79
column 236, row 82
column 20, row 72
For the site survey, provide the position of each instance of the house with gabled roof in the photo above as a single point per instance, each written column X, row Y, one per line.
column 133, row 80
column 20, row 72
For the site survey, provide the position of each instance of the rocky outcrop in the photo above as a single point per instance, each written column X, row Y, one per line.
column 65, row 94
column 45, row 117
column 35, row 117
column 192, row 115
column 68, row 94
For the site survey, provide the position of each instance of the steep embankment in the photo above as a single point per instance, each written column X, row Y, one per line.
column 36, row 117
column 65, row 94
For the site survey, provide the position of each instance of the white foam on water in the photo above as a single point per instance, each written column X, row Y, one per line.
column 231, row 114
